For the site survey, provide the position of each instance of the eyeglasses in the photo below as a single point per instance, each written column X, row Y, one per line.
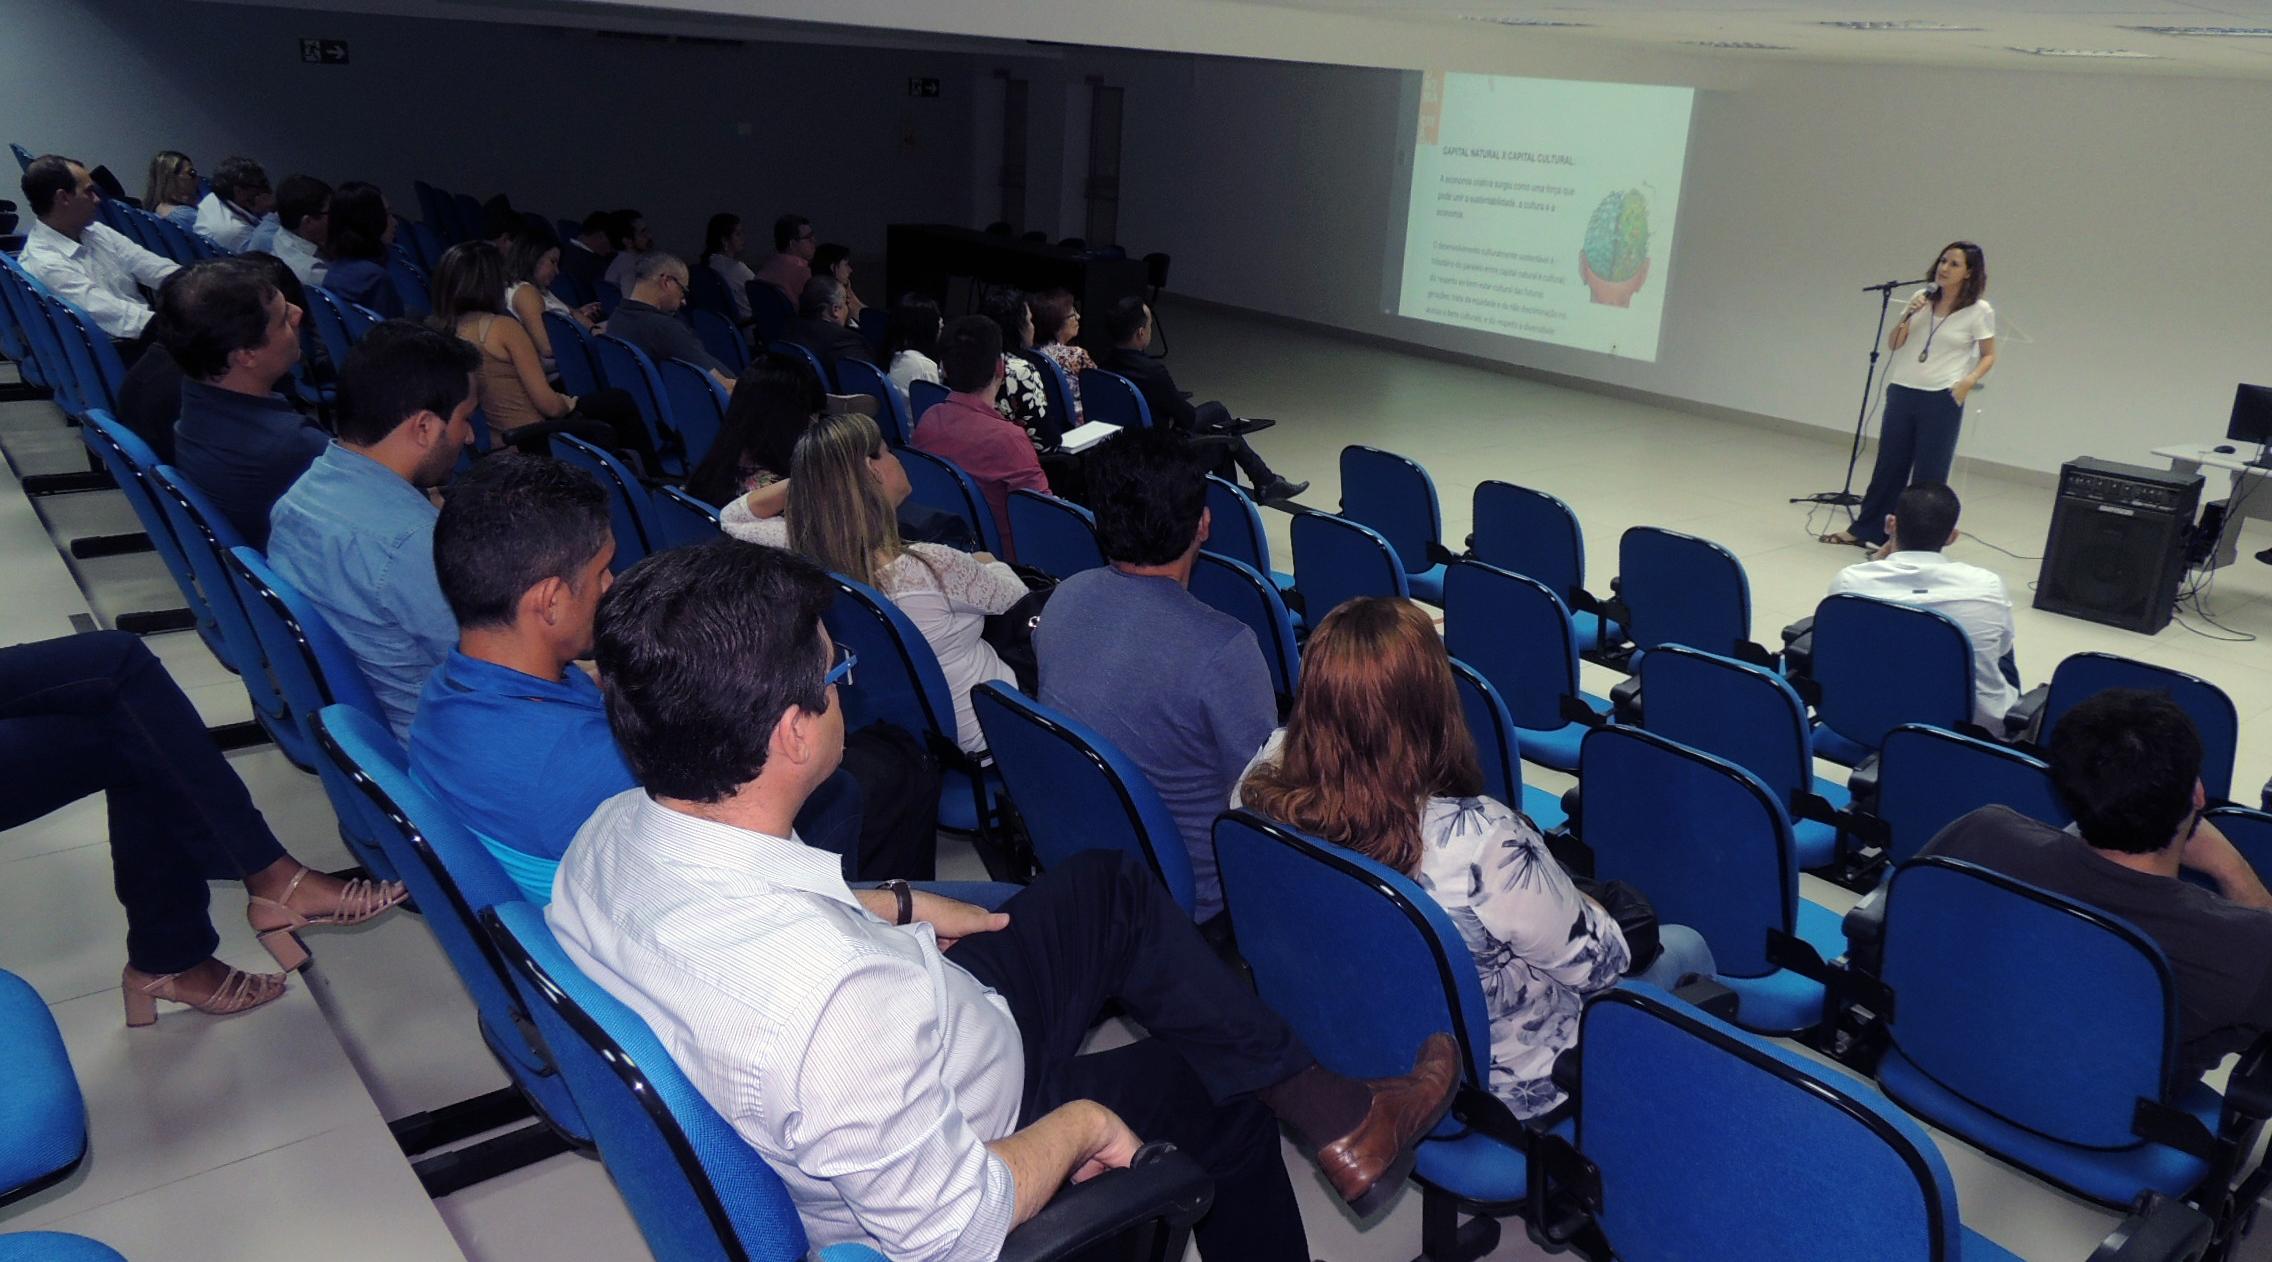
column 840, row 670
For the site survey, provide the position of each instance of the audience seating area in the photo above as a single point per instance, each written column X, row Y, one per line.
column 2028, row 1026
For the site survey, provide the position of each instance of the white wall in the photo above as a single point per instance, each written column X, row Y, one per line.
column 566, row 122
column 2122, row 219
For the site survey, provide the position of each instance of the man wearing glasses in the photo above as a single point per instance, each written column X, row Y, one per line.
column 791, row 264
column 648, row 316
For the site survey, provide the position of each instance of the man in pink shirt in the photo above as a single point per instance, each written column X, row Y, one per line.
column 966, row 427
column 791, row 263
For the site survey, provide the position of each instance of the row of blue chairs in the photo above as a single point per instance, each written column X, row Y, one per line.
column 56, row 345
column 683, row 406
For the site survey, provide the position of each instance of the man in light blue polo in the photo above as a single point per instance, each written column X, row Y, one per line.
column 356, row 532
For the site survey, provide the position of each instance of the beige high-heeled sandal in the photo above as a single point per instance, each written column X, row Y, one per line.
column 278, row 924
column 239, row 992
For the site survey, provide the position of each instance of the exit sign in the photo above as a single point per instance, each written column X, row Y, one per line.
column 324, row 52
column 922, row 87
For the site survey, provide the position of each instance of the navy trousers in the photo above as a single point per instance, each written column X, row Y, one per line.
column 1102, row 927
column 1916, row 443
column 97, row 713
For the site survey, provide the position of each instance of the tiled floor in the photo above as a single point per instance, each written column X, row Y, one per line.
column 260, row 1137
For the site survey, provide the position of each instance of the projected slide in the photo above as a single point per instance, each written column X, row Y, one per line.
column 1543, row 209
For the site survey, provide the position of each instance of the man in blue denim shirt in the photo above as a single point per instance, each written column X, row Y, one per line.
column 356, row 532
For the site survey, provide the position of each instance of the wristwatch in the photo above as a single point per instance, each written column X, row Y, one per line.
column 899, row 890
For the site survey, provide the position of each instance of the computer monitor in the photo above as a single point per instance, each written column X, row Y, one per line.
column 2252, row 415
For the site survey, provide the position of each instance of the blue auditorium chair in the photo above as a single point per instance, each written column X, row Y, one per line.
column 1750, row 716
column 1075, row 791
column 43, row 1118
column 1710, row 847
column 1236, row 589
column 131, row 464
column 680, row 519
column 939, row 483
column 697, row 405
column 454, row 876
column 1516, row 632
column 93, row 358
column 206, row 539
column 721, row 339
column 2083, row 675
column 1396, row 497
column 2044, row 1031
column 1365, row 966
column 922, row 396
column 627, row 368
column 608, row 295
column 797, row 351
column 1795, row 1160
column 771, row 312
column 630, row 512
column 2250, row 831
column 1057, row 388
column 1674, row 588
column 1498, row 748
column 1876, row 665
column 1929, row 777
column 1235, row 530
column 327, row 314
column 1057, row 537
column 854, row 376
column 706, row 291
column 700, row 1193
column 1114, row 399
column 1536, row 535
column 1336, row 559
column 410, row 283
column 573, row 355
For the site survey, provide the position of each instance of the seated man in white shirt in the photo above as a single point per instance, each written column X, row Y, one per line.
column 922, row 1104
column 1912, row 570
column 84, row 262
column 240, row 199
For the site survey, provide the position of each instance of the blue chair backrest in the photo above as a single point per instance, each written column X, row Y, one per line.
column 183, row 246
column 1679, row 589
column 1057, row 537
column 93, row 357
column 2042, row 1010
column 1705, row 838
column 58, row 352
column 206, row 539
column 2084, row 675
column 453, row 880
column 131, row 464
column 573, row 290
column 668, row 1151
column 720, row 337
column 1397, row 498
column 424, row 245
column 1336, row 559
column 1881, row 665
column 1236, row 589
column 1731, row 710
column 608, row 295
column 628, row 509
column 697, row 403
column 1654, row 1067
column 771, row 312
column 573, row 354
column 568, row 229
column 1057, row 388
column 1530, row 533
column 1076, row 791
column 706, row 290
column 1497, row 748
column 330, row 319
column 681, row 519
column 1355, row 956
column 797, row 351
column 434, row 210
column 1112, row 398
column 854, row 376
column 922, row 396
column 410, row 283
column 2249, row 830
column 1929, row 777
column 1516, row 633
column 941, row 484
column 15, row 341
column 898, row 680
column 45, row 367
column 466, row 209
column 874, row 328
column 627, row 368
column 46, row 1117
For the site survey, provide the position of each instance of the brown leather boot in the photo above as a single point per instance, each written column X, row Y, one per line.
column 1368, row 1164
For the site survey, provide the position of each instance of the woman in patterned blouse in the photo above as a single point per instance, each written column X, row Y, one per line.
column 1056, row 322
column 1377, row 757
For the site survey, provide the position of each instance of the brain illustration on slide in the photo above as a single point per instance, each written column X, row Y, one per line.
column 1615, row 254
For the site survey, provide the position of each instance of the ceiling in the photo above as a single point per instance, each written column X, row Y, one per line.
column 1987, row 33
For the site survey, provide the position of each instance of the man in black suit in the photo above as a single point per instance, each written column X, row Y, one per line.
column 823, row 324
column 1209, row 426
column 586, row 255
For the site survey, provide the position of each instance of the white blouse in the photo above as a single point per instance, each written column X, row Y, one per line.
column 909, row 367
column 737, row 276
column 1940, row 350
column 1540, row 946
column 947, row 595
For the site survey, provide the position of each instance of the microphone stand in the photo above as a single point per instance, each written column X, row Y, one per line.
column 1844, row 497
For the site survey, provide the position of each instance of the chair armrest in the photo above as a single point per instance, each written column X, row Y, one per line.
column 1862, row 786
column 2158, row 1229
column 1798, row 655
column 1577, row 711
column 1625, row 701
column 1710, row 996
column 1160, row 1185
column 1865, row 932
column 1797, row 629
column 2023, row 721
column 2248, row 1093
column 1438, row 554
column 1754, row 653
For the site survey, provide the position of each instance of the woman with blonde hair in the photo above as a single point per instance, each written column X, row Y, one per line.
column 845, row 488
column 1376, row 757
column 172, row 192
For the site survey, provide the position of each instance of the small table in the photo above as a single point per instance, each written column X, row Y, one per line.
column 2247, row 493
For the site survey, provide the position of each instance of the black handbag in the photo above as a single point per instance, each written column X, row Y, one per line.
column 1634, row 914
column 1011, row 631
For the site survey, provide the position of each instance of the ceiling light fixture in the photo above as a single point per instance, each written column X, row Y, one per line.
column 2208, row 32
column 2117, row 53
column 1484, row 17
column 1908, row 25
column 1745, row 45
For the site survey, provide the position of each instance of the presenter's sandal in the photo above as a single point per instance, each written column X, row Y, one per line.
column 211, row 987
column 1367, row 1165
column 1843, row 538
column 279, row 920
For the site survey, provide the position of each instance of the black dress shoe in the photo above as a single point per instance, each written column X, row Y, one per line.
column 2265, row 556
column 1279, row 489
